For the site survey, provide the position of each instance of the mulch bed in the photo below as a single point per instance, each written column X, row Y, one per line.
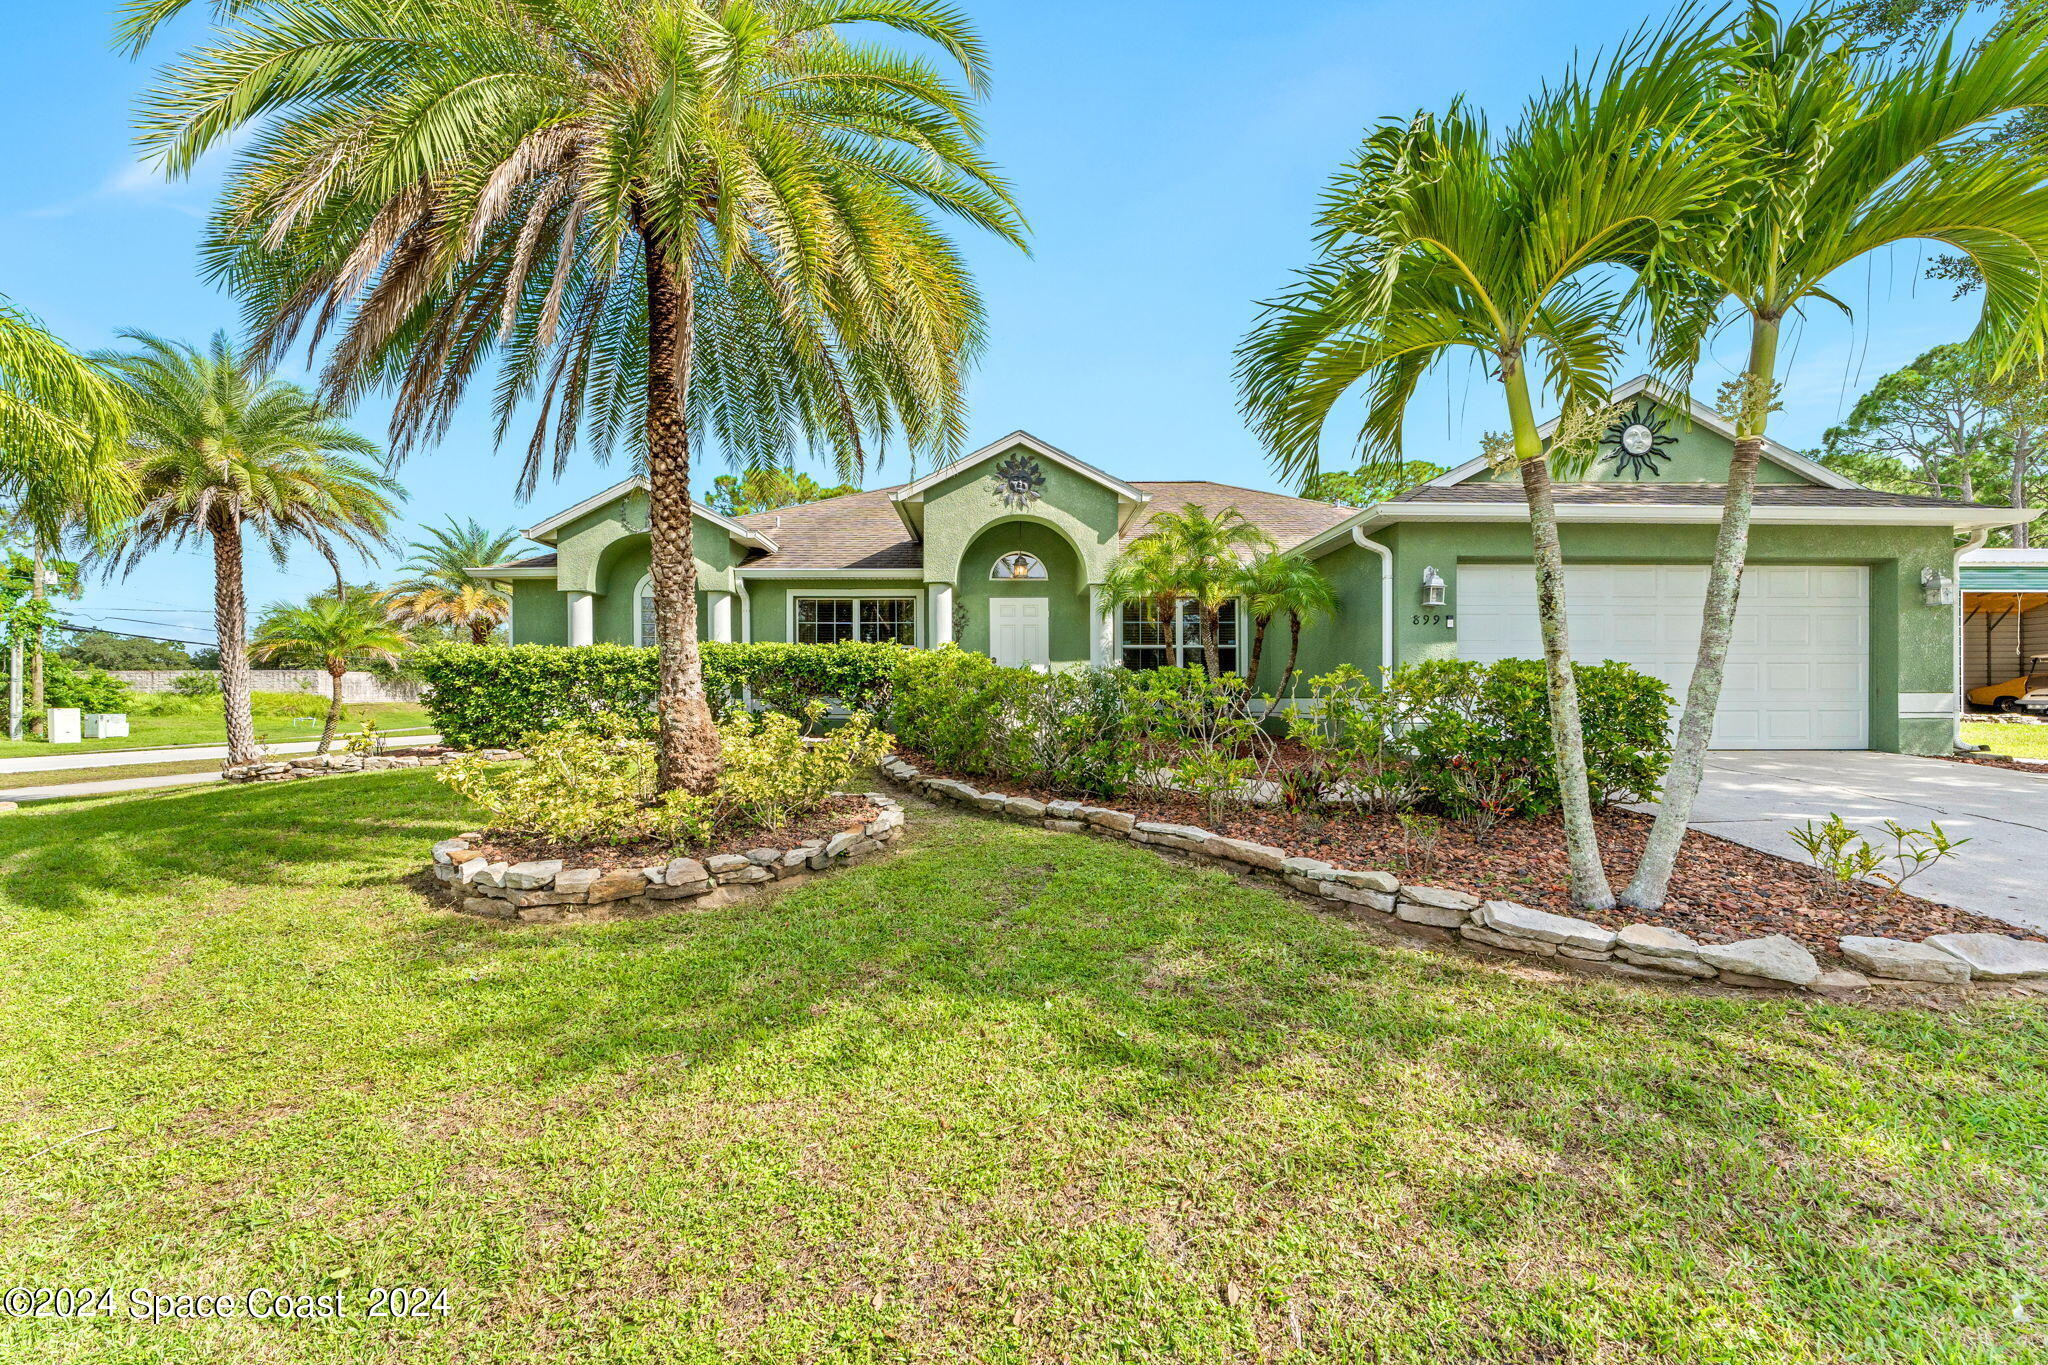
column 2011, row 765
column 839, row 813
column 1720, row 892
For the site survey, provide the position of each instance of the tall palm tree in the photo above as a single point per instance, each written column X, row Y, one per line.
column 438, row 588
column 62, row 434
column 334, row 633
column 1273, row 586
column 222, row 454
column 1440, row 238
column 1842, row 157
column 679, row 219
column 1189, row 555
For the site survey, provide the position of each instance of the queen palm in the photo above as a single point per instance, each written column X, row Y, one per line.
column 438, row 588
column 1440, row 238
column 1273, row 586
column 225, row 455
column 1842, row 158
column 676, row 220
column 330, row 633
column 1189, row 555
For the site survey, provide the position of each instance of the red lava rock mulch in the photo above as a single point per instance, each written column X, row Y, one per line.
column 2011, row 765
column 1720, row 892
column 839, row 813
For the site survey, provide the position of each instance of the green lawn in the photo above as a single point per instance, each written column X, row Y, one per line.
column 2020, row 741
column 148, row 732
column 1004, row 1096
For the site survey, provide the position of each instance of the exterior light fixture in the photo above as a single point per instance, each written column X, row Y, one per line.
column 1432, row 587
column 1937, row 588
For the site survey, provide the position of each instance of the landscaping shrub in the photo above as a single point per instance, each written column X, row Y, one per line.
column 493, row 696
column 89, row 689
column 591, row 784
column 196, row 684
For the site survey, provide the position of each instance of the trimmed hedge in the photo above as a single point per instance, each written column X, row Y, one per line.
column 492, row 696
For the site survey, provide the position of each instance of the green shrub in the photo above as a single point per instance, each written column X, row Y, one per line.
column 492, row 696
column 89, row 689
column 196, row 684
column 589, row 784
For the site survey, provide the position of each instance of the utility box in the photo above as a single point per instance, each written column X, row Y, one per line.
column 106, row 725
column 63, row 725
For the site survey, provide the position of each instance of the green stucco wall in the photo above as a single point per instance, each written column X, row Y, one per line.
column 1697, row 455
column 959, row 509
column 540, row 613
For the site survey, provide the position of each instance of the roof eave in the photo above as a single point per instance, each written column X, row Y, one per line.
column 544, row 532
column 1387, row 513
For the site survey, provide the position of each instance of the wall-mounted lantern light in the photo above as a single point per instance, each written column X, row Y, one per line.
column 1018, row 568
column 1937, row 587
column 1432, row 588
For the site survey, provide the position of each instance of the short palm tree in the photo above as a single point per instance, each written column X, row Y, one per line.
column 438, row 588
column 1440, row 238
column 1273, row 586
column 1842, row 158
column 671, row 220
column 331, row 633
column 1189, row 555
column 224, row 455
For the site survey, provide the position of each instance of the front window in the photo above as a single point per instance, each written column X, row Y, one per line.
column 869, row 620
column 1148, row 644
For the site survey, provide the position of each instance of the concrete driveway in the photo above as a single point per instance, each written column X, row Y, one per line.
column 1756, row 798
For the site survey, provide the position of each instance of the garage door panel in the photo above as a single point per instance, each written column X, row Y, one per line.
column 1798, row 667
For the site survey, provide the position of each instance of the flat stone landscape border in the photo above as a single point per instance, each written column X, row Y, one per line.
column 1643, row 951
column 323, row 765
column 552, row 892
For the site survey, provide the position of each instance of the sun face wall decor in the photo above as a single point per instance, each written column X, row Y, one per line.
column 1019, row 481
column 1637, row 439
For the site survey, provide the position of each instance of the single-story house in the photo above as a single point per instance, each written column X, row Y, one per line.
column 1847, row 636
column 2005, row 613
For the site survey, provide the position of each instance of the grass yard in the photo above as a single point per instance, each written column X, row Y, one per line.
column 1004, row 1096
column 148, row 732
column 2019, row 741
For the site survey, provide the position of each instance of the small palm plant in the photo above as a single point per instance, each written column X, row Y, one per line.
column 223, row 455
column 440, row 590
column 1273, row 586
column 335, row 634
column 1190, row 555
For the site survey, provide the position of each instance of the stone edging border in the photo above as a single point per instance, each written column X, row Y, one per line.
column 321, row 765
column 1441, row 914
column 552, row 893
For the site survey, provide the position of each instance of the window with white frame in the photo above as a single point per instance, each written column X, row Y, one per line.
column 868, row 620
column 1147, row 642
column 1018, row 568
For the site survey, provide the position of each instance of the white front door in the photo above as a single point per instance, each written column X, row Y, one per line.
column 1017, row 630
column 1798, row 667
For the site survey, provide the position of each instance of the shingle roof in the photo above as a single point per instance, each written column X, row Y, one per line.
column 1682, row 495
column 546, row 561
column 862, row 530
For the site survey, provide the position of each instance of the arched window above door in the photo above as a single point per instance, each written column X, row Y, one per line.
column 1018, row 568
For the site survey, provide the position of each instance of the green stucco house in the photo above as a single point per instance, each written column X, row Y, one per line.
column 1847, row 636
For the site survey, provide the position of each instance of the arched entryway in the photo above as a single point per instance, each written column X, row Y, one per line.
column 1022, row 596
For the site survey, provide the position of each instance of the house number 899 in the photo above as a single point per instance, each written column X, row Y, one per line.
column 1427, row 619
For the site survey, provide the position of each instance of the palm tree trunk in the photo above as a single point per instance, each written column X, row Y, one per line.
column 231, row 625
column 1293, row 652
column 1652, row 880
column 1258, row 649
column 1212, row 623
column 479, row 632
column 335, row 675
column 687, row 740
column 1589, row 889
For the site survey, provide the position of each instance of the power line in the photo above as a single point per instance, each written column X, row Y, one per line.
column 124, row 634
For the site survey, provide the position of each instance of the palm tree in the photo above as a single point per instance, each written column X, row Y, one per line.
column 62, row 431
column 1189, row 556
column 679, row 219
column 221, row 454
column 1843, row 157
column 1284, row 585
column 1439, row 238
column 333, row 633
column 439, row 589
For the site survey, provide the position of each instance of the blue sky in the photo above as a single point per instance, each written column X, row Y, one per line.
column 1169, row 156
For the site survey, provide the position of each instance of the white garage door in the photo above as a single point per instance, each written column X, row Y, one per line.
column 1798, row 672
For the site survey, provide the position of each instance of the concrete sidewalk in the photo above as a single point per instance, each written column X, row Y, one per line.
column 1758, row 798
column 111, row 786
column 56, row 762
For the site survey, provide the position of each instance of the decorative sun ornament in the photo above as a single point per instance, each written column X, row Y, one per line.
column 1637, row 437
column 1019, row 481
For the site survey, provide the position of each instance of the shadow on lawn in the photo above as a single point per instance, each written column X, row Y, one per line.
column 70, row 857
